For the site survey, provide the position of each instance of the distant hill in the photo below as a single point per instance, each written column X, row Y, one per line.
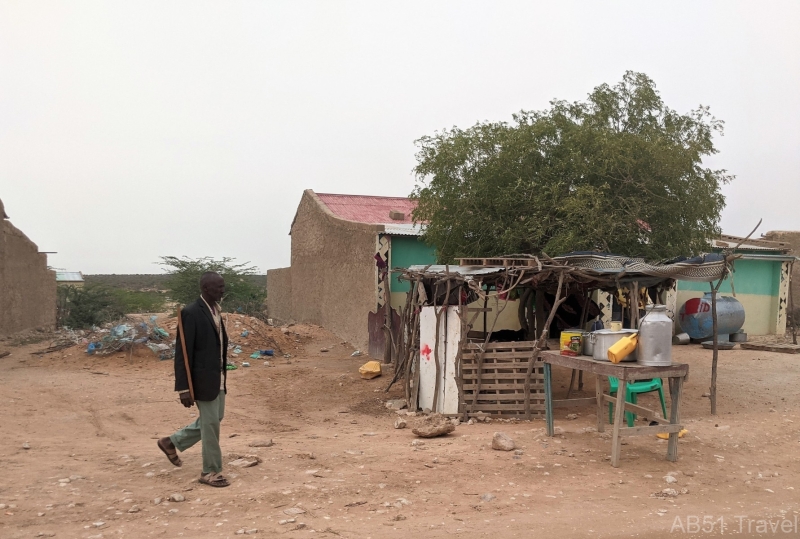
column 144, row 281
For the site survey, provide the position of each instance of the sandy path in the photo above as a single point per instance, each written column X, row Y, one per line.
column 95, row 421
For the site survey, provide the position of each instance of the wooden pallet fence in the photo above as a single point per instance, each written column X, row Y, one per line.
column 502, row 388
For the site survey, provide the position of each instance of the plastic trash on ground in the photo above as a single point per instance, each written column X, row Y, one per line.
column 120, row 330
column 268, row 352
column 370, row 369
column 161, row 331
column 255, row 355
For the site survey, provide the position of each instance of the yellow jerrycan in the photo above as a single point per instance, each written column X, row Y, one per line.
column 622, row 348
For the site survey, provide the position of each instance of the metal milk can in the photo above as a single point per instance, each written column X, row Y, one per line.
column 655, row 338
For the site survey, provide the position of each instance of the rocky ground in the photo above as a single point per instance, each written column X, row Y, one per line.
column 79, row 456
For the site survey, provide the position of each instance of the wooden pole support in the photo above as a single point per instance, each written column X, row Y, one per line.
column 185, row 355
column 715, row 355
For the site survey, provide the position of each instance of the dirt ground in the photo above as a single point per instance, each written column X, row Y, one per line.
column 91, row 468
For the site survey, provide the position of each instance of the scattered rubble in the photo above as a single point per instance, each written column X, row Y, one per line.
column 666, row 493
column 396, row 404
column 261, row 443
column 247, row 461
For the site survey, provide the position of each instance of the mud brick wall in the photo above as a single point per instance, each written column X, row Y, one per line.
column 27, row 287
column 793, row 239
column 333, row 273
column 279, row 294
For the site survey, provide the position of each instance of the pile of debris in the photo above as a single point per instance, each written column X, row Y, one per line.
column 119, row 336
column 246, row 335
column 252, row 338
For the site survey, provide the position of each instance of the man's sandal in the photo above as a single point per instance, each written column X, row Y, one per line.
column 172, row 454
column 214, row 480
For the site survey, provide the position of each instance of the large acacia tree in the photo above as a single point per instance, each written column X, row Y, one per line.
column 620, row 172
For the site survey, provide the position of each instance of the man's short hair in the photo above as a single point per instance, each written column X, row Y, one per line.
column 207, row 276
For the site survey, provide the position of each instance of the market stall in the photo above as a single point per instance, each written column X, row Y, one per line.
column 447, row 368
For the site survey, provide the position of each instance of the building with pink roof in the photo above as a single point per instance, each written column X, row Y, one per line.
column 342, row 246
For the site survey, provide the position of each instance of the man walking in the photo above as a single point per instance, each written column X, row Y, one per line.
column 207, row 349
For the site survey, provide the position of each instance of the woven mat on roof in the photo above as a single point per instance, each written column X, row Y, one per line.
column 703, row 268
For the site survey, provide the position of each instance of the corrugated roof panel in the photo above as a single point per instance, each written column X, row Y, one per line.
column 730, row 244
column 372, row 210
column 69, row 276
column 404, row 229
column 464, row 271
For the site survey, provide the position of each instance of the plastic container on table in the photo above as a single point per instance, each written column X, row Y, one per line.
column 622, row 348
column 605, row 338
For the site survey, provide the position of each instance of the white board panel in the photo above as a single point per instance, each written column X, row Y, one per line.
column 449, row 338
column 427, row 345
column 452, row 339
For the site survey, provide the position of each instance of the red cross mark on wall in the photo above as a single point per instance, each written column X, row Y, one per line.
column 426, row 351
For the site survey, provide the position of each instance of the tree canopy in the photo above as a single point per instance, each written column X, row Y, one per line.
column 241, row 294
column 620, row 172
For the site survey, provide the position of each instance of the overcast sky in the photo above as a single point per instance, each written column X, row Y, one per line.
column 130, row 130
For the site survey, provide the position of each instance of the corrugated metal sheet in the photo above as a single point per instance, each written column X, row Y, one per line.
column 404, row 229
column 368, row 209
column 777, row 258
column 730, row 244
column 460, row 270
column 69, row 276
column 726, row 241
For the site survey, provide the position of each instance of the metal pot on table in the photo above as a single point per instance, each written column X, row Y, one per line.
column 588, row 343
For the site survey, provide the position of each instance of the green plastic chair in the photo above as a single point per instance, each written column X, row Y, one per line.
column 631, row 390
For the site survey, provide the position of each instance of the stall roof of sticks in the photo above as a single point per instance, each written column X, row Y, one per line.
column 507, row 382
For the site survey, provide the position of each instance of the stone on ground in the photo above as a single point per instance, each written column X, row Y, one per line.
column 432, row 426
column 502, row 442
column 261, row 443
column 396, row 404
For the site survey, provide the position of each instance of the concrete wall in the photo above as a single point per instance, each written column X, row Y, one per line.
column 27, row 287
column 279, row 294
column 793, row 239
column 333, row 272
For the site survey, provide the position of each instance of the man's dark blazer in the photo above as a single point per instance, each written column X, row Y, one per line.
column 203, row 347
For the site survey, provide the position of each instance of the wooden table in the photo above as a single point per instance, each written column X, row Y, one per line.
column 625, row 372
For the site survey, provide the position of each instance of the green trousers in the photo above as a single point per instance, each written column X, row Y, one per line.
column 205, row 428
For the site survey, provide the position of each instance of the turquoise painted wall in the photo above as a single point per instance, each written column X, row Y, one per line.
column 407, row 251
column 759, row 277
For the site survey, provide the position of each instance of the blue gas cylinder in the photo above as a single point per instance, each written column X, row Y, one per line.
column 695, row 319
